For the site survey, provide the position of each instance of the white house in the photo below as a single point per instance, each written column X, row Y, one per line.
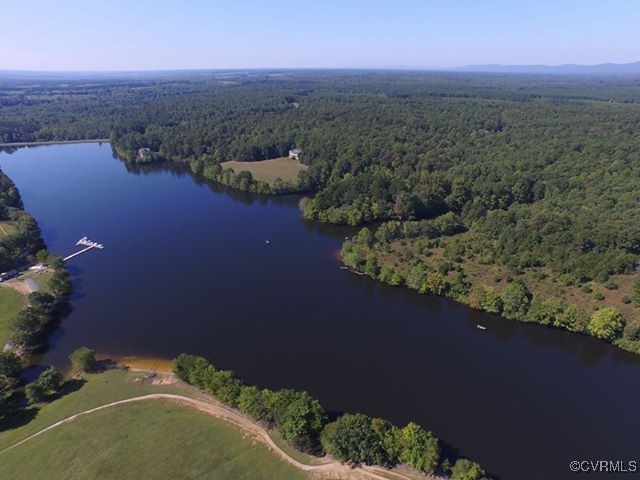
column 295, row 153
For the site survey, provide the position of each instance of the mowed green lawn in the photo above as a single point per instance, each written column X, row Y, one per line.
column 11, row 302
column 284, row 168
column 154, row 439
column 146, row 440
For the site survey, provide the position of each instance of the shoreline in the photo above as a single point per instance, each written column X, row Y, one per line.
column 140, row 363
column 52, row 142
column 325, row 468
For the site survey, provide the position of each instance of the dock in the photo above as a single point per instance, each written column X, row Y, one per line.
column 88, row 244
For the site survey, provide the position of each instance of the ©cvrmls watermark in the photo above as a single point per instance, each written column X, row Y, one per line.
column 602, row 466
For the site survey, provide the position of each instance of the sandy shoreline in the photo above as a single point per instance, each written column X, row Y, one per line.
column 55, row 142
column 134, row 362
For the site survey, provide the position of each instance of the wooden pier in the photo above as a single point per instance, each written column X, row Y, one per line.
column 88, row 244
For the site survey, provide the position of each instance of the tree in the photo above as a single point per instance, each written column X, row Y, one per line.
column 351, row 438
column 420, row 449
column 83, row 359
column 254, row 402
column 545, row 311
column 515, row 301
column 35, row 393
column 10, row 364
column 192, row 369
column 302, row 422
column 477, row 296
column 42, row 256
column 25, row 328
column 573, row 319
column 492, row 302
column 50, row 380
column 10, row 367
column 636, row 291
column 466, row 470
column 42, row 303
column 606, row 323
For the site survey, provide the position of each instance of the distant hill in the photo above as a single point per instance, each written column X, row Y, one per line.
column 568, row 69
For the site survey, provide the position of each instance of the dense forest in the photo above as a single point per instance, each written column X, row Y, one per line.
column 534, row 180
column 25, row 235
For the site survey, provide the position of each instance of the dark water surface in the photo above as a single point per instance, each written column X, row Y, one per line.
column 186, row 269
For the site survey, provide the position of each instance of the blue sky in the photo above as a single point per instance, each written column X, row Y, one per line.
column 163, row 34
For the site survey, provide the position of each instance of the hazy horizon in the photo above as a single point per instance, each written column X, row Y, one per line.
column 410, row 34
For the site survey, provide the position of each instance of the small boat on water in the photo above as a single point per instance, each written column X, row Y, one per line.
column 481, row 327
column 344, row 268
column 267, row 242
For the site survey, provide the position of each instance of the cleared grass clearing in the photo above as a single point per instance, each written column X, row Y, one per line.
column 151, row 440
column 11, row 302
column 7, row 229
column 284, row 168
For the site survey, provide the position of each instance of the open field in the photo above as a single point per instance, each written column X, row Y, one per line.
column 99, row 389
column 124, row 424
column 284, row 168
column 11, row 302
column 152, row 439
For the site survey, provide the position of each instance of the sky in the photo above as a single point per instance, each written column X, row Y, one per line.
column 185, row 34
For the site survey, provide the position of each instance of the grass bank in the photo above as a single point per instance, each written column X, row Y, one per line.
column 147, row 439
column 11, row 302
column 151, row 440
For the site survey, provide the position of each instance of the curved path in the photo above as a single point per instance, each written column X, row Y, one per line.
column 330, row 469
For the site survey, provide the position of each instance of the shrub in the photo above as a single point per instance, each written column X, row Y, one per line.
column 254, row 402
column 466, row 470
column 83, row 359
column 606, row 323
column 573, row 319
column 420, row 449
column 515, row 301
column 50, row 380
column 586, row 288
column 34, row 393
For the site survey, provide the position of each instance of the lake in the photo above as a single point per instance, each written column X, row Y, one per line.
column 187, row 268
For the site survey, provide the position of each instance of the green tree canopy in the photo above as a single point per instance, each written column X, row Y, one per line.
column 606, row 323
column 515, row 301
column 83, row 359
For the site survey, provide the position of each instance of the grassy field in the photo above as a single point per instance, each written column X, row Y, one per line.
column 268, row 170
column 11, row 302
column 150, row 439
column 41, row 277
column 154, row 439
